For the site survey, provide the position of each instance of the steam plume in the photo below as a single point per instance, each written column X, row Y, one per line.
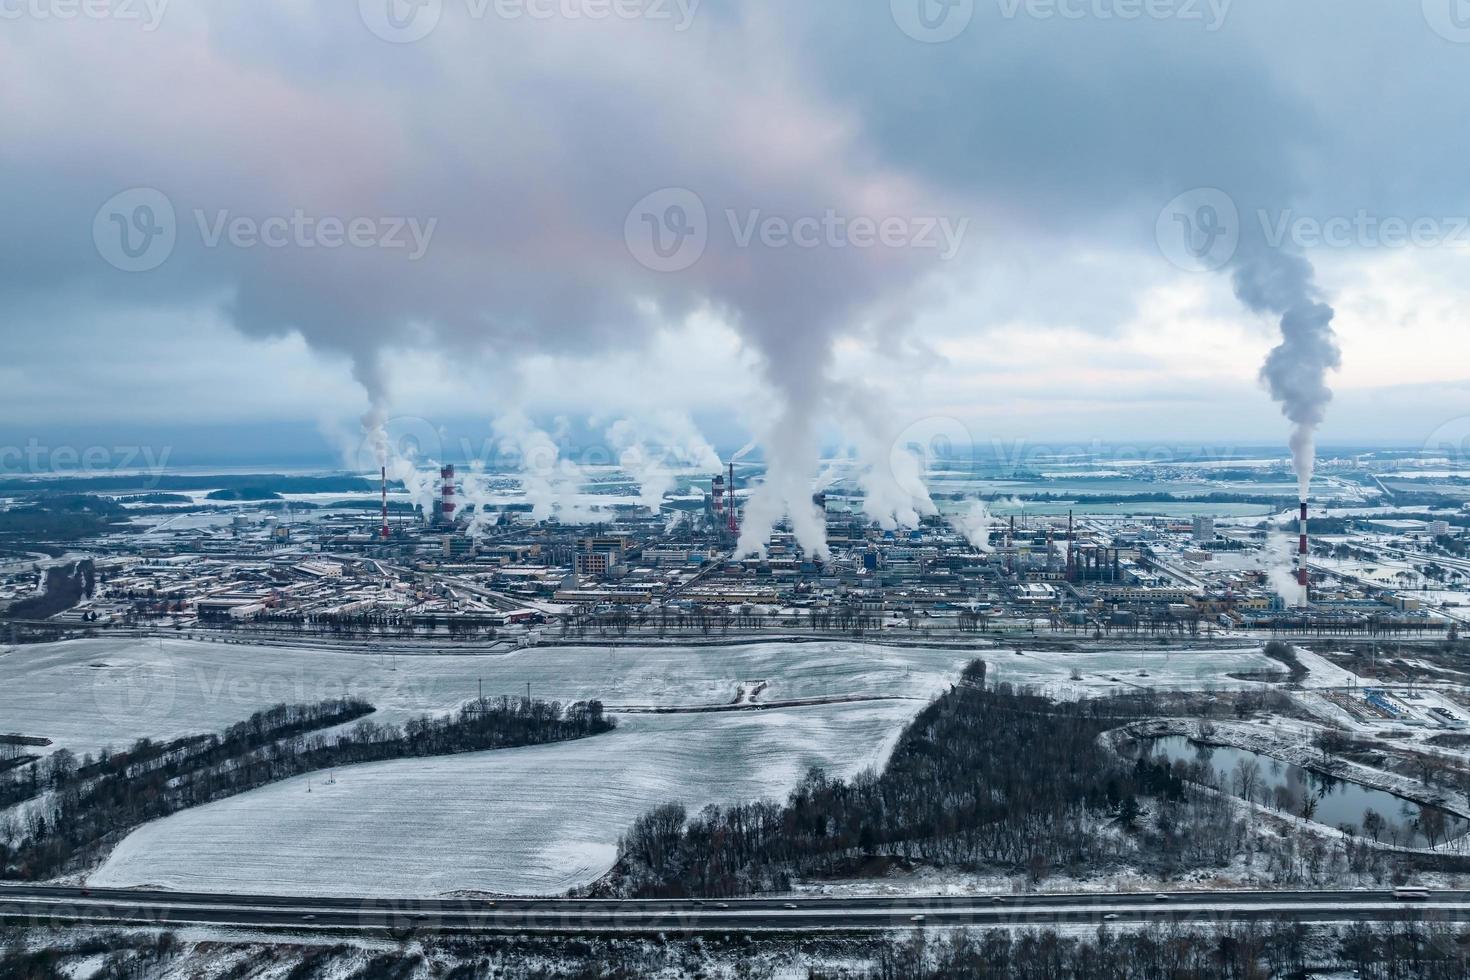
column 551, row 483
column 653, row 453
column 1282, row 284
column 975, row 525
column 1280, row 575
column 891, row 477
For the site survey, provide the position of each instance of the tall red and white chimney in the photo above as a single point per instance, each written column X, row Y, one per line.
column 731, row 513
column 446, row 494
column 1301, row 555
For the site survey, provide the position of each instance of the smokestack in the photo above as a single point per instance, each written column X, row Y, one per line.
column 1301, row 556
column 385, row 504
column 446, row 495
column 717, row 498
column 1071, row 549
column 734, row 522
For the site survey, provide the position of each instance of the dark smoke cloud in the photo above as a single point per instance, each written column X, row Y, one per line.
column 530, row 141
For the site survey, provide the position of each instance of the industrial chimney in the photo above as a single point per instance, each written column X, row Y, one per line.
column 734, row 521
column 1301, row 556
column 446, row 495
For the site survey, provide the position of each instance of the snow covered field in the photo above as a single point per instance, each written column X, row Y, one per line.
column 85, row 694
column 535, row 820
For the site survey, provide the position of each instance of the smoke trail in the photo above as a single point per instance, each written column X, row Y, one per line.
column 552, row 485
column 891, row 460
column 422, row 485
column 975, row 525
column 653, row 453
column 1283, row 284
column 475, row 490
column 786, row 491
column 1280, row 571
column 655, row 479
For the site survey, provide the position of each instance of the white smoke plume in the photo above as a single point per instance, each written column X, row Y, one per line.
column 893, row 489
column 1283, row 284
column 519, row 233
column 475, row 490
column 786, row 492
column 552, row 484
column 831, row 473
column 975, row 525
column 419, row 475
column 891, row 465
column 1281, row 556
column 421, row 485
column 654, row 452
column 638, row 460
column 745, row 450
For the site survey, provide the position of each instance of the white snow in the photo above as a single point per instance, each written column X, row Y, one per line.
column 86, row 694
column 535, row 820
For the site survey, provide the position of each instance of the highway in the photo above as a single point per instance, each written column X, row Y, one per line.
column 46, row 905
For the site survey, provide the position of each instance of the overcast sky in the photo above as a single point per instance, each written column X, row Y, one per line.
column 246, row 212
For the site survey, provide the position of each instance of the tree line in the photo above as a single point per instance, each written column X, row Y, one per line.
column 996, row 781
column 1397, row 951
column 1405, row 950
column 982, row 778
column 96, row 803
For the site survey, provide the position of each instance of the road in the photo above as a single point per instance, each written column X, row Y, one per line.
column 54, row 905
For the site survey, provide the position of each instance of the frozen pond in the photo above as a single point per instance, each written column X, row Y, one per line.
column 1338, row 803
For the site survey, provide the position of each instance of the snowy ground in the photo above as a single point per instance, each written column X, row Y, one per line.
column 85, row 694
column 535, row 820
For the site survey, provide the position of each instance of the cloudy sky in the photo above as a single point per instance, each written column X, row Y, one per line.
column 261, row 216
